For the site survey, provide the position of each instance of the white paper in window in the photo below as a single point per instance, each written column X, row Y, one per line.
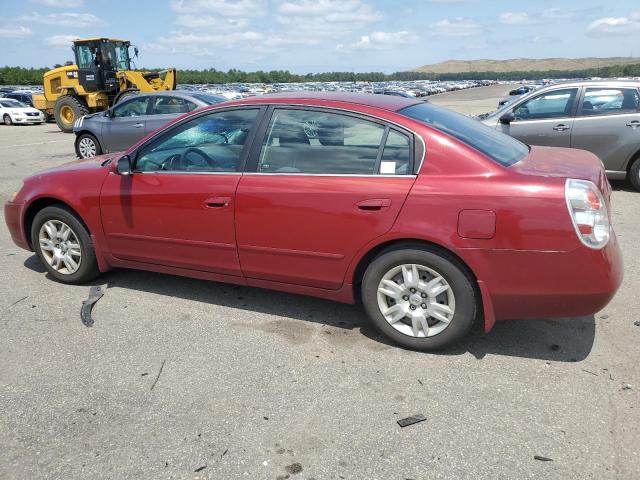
column 387, row 167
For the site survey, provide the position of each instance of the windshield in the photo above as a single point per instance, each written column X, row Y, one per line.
column 499, row 147
column 209, row 99
column 12, row 104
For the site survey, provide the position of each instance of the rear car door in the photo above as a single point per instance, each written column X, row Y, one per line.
column 126, row 125
column 545, row 119
column 177, row 207
column 165, row 108
column 608, row 124
column 319, row 186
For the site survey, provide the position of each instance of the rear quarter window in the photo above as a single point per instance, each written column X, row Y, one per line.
column 499, row 147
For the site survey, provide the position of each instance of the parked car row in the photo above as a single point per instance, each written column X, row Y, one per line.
column 432, row 219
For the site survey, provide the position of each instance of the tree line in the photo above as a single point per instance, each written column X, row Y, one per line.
column 33, row 76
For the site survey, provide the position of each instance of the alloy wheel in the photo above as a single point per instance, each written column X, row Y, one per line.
column 60, row 247
column 87, row 147
column 416, row 300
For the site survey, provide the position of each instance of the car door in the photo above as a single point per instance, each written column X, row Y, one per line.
column 126, row 125
column 165, row 108
column 177, row 207
column 544, row 119
column 608, row 124
column 321, row 184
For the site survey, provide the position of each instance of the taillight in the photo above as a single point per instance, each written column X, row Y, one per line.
column 588, row 212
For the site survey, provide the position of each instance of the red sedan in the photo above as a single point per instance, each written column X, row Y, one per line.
column 431, row 219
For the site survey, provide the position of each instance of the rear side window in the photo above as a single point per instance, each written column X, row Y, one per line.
column 499, row 147
column 166, row 105
column 608, row 101
column 316, row 142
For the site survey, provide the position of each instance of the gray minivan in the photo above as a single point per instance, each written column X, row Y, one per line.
column 127, row 122
column 600, row 116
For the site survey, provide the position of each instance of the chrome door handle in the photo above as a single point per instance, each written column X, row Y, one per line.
column 138, row 125
column 373, row 204
column 561, row 127
column 634, row 124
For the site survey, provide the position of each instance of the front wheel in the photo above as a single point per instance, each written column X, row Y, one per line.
column 63, row 245
column 87, row 146
column 421, row 299
column 7, row 120
column 634, row 174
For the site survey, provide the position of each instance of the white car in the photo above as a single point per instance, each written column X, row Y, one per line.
column 15, row 112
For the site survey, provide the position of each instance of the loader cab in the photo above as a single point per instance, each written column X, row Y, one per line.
column 98, row 60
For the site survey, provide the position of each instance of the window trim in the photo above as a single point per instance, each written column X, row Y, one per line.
column 572, row 112
column 251, row 166
column 583, row 95
column 166, row 132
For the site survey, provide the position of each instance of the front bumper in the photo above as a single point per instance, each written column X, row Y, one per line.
column 534, row 284
column 13, row 216
column 26, row 120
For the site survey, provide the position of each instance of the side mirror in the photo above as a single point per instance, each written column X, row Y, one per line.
column 108, row 113
column 123, row 167
column 507, row 118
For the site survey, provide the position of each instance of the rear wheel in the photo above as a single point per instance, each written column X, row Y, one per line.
column 7, row 119
column 67, row 110
column 63, row 245
column 87, row 146
column 634, row 174
column 421, row 299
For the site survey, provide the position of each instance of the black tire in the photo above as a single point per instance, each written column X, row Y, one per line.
column 77, row 106
column 88, row 268
column 7, row 120
column 121, row 97
column 87, row 137
column 634, row 174
column 447, row 266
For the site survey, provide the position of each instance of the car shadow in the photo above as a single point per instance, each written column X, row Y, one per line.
column 562, row 340
column 622, row 186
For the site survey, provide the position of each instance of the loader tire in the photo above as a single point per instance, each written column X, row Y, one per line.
column 67, row 110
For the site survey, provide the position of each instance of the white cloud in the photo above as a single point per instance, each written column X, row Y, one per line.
column 380, row 41
column 615, row 25
column 60, row 40
column 227, row 8
column 63, row 19
column 214, row 39
column 516, row 18
column 9, row 31
column 59, row 3
column 210, row 21
column 456, row 27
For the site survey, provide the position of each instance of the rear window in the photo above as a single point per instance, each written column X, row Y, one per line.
column 499, row 147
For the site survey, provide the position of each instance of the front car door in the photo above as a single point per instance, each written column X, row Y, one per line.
column 177, row 207
column 544, row 119
column 126, row 125
column 608, row 124
column 320, row 185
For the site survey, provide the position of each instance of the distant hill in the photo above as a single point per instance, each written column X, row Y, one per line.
column 524, row 65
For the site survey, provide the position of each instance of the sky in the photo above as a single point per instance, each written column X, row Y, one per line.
column 320, row 35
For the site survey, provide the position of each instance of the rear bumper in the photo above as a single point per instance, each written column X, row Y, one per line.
column 13, row 216
column 533, row 284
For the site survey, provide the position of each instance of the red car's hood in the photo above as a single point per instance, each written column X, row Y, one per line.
column 94, row 163
column 563, row 163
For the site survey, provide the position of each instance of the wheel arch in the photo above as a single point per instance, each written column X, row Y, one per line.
column 43, row 202
column 632, row 159
column 93, row 134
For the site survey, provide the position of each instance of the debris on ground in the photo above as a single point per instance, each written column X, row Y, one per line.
column 18, row 301
column 293, row 468
column 95, row 294
column 589, row 371
column 554, row 347
column 542, row 459
column 405, row 422
column 637, row 323
column 626, row 386
column 604, row 316
column 159, row 373
column 224, row 453
column 199, row 469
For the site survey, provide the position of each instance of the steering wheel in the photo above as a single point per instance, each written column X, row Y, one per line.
column 210, row 161
column 174, row 162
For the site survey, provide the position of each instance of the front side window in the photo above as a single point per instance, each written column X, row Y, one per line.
column 607, row 101
column 166, row 105
column 135, row 107
column 499, row 147
column 207, row 143
column 553, row 104
column 317, row 142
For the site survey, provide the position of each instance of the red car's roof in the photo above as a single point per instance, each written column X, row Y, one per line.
column 385, row 102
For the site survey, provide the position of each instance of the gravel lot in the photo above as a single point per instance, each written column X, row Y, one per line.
column 182, row 378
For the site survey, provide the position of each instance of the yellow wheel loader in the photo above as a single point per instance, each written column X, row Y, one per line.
column 101, row 77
